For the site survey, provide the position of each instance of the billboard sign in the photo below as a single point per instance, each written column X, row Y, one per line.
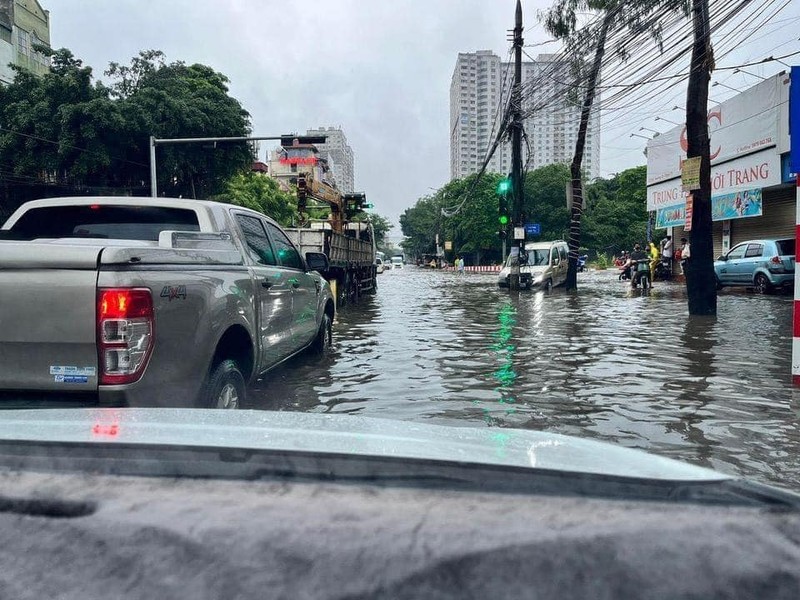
column 742, row 125
column 759, row 170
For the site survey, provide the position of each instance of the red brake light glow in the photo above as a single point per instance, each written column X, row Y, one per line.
column 125, row 303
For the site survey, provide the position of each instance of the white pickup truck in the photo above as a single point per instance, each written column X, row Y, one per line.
column 151, row 302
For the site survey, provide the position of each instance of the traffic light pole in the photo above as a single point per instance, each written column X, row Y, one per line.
column 517, row 245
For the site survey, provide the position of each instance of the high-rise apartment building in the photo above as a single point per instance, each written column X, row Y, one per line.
column 479, row 91
column 339, row 155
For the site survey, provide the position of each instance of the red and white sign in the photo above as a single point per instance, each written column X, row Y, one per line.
column 298, row 160
column 687, row 226
column 745, row 124
column 759, row 170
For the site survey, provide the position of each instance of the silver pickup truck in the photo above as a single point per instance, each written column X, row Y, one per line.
column 152, row 301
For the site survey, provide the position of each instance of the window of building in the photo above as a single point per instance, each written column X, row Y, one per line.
column 23, row 42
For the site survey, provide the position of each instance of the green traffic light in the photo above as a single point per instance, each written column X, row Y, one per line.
column 503, row 220
column 503, row 186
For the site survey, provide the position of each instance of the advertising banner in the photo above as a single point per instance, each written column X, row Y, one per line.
column 736, row 205
column 670, row 216
column 759, row 170
column 742, row 125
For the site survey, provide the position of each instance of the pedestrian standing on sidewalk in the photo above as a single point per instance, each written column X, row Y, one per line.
column 460, row 265
column 686, row 255
column 666, row 248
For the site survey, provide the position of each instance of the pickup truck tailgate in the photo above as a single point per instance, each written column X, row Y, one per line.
column 47, row 317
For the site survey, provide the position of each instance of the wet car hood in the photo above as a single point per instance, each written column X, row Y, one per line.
column 341, row 434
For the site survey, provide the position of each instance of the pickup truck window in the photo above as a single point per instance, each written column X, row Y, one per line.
column 257, row 241
column 112, row 222
column 287, row 253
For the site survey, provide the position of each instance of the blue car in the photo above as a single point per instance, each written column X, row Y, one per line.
column 760, row 264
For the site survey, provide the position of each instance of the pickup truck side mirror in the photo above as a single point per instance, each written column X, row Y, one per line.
column 316, row 261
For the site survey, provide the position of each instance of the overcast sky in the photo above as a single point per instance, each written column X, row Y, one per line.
column 380, row 69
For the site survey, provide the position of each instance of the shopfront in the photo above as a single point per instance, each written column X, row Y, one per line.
column 753, row 193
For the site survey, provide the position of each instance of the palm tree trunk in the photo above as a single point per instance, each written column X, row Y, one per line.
column 574, row 239
column 700, row 279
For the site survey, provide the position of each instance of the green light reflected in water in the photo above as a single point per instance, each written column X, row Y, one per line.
column 504, row 349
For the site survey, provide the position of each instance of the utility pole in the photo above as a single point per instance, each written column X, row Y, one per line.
column 700, row 280
column 517, row 245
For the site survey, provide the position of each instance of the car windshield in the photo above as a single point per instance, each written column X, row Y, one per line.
column 374, row 170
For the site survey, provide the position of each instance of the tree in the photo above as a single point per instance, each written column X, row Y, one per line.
column 64, row 133
column 261, row 193
column 419, row 225
column 470, row 219
column 176, row 100
column 700, row 278
column 60, row 128
column 381, row 226
column 615, row 216
column 561, row 22
column 545, row 200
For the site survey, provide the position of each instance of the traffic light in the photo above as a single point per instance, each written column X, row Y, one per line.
column 502, row 234
column 355, row 203
column 302, row 194
column 502, row 211
column 503, row 190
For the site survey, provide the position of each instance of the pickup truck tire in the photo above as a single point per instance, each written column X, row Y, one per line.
column 324, row 340
column 225, row 387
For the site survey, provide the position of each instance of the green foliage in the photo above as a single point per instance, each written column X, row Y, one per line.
column 602, row 261
column 546, row 200
column 381, row 226
column 615, row 215
column 64, row 129
column 473, row 229
column 261, row 193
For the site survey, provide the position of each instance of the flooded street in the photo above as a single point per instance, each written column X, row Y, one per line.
column 608, row 363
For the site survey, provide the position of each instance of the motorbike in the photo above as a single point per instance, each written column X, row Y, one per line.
column 641, row 275
column 582, row 263
column 625, row 272
column 663, row 270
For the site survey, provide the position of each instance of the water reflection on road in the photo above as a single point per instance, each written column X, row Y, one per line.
column 608, row 363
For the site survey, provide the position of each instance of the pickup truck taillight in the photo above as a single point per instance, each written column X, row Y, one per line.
column 125, row 322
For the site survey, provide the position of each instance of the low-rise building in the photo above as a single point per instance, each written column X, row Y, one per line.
column 24, row 24
column 753, row 191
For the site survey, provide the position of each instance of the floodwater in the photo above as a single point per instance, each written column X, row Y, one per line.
column 608, row 363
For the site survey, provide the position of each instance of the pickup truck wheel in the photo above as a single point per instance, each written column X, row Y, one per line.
column 225, row 387
column 324, row 340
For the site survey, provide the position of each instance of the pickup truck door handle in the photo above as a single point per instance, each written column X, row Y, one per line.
column 266, row 283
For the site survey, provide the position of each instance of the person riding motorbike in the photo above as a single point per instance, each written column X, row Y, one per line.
column 640, row 267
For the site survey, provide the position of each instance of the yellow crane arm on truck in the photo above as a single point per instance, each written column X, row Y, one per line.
column 342, row 205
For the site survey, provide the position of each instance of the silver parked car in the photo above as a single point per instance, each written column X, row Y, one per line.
column 545, row 267
column 761, row 264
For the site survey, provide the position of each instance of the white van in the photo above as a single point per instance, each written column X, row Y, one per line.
column 546, row 266
column 397, row 262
